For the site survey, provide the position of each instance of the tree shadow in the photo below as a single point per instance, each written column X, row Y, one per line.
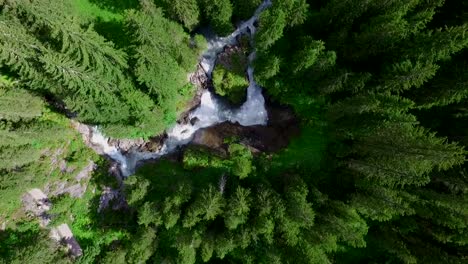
column 114, row 31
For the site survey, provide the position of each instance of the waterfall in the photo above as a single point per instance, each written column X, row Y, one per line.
column 211, row 111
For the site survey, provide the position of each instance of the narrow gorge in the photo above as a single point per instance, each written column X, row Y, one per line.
column 210, row 111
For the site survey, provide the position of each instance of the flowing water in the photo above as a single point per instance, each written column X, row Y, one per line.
column 211, row 110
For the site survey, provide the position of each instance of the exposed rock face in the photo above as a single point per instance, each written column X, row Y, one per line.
column 75, row 188
column 199, row 78
column 233, row 58
column 124, row 145
column 37, row 204
column 201, row 81
column 273, row 137
column 63, row 234
column 110, row 196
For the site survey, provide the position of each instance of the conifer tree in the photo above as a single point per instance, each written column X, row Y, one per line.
column 272, row 23
column 162, row 63
column 206, row 207
column 407, row 74
column 218, row 13
column 449, row 86
column 172, row 204
column 148, row 214
column 84, row 46
column 185, row 11
column 400, row 154
column 382, row 203
column 307, row 55
column 244, row 9
column 237, row 209
column 439, row 44
column 299, row 213
column 19, row 105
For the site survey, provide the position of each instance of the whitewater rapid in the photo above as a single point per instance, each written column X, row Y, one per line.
column 211, row 111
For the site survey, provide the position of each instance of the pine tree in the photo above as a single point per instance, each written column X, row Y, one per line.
column 439, row 44
column 218, row 13
column 148, row 215
column 342, row 221
column 299, row 213
column 307, row 55
column 144, row 246
column 407, row 74
column 272, row 23
column 398, row 154
column 137, row 188
column 267, row 206
column 206, row 207
column 82, row 45
column 449, row 86
column 20, row 51
column 296, row 10
column 185, row 11
column 86, row 77
column 369, row 103
column 382, row 203
column 343, row 80
column 19, row 105
column 237, row 209
column 244, row 9
column 240, row 160
column 163, row 56
column 172, row 204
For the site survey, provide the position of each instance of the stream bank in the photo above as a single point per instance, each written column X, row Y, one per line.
column 249, row 121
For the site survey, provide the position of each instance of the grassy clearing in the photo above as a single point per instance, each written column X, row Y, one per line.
column 92, row 11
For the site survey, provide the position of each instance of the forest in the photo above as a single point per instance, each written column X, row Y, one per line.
column 373, row 170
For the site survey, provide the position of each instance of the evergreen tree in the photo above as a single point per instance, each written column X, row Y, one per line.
column 206, row 207
column 237, row 209
column 299, row 213
column 218, row 13
column 272, row 24
column 172, row 205
column 185, row 11
column 19, row 105
column 382, row 203
column 448, row 87
column 398, row 153
column 406, row 75
column 244, row 9
column 307, row 54
column 439, row 44
column 163, row 56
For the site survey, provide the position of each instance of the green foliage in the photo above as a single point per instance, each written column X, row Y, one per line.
column 244, row 9
column 376, row 174
column 16, row 246
column 185, row 11
column 163, row 55
column 19, row 105
column 399, row 154
column 218, row 13
column 240, row 160
column 138, row 189
column 272, row 24
column 230, row 84
column 238, row 207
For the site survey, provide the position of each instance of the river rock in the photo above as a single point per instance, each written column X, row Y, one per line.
column 127, row 144
column 271, row 138
column 209, row 137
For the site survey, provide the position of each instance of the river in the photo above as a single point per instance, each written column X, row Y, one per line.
column 211, row 111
